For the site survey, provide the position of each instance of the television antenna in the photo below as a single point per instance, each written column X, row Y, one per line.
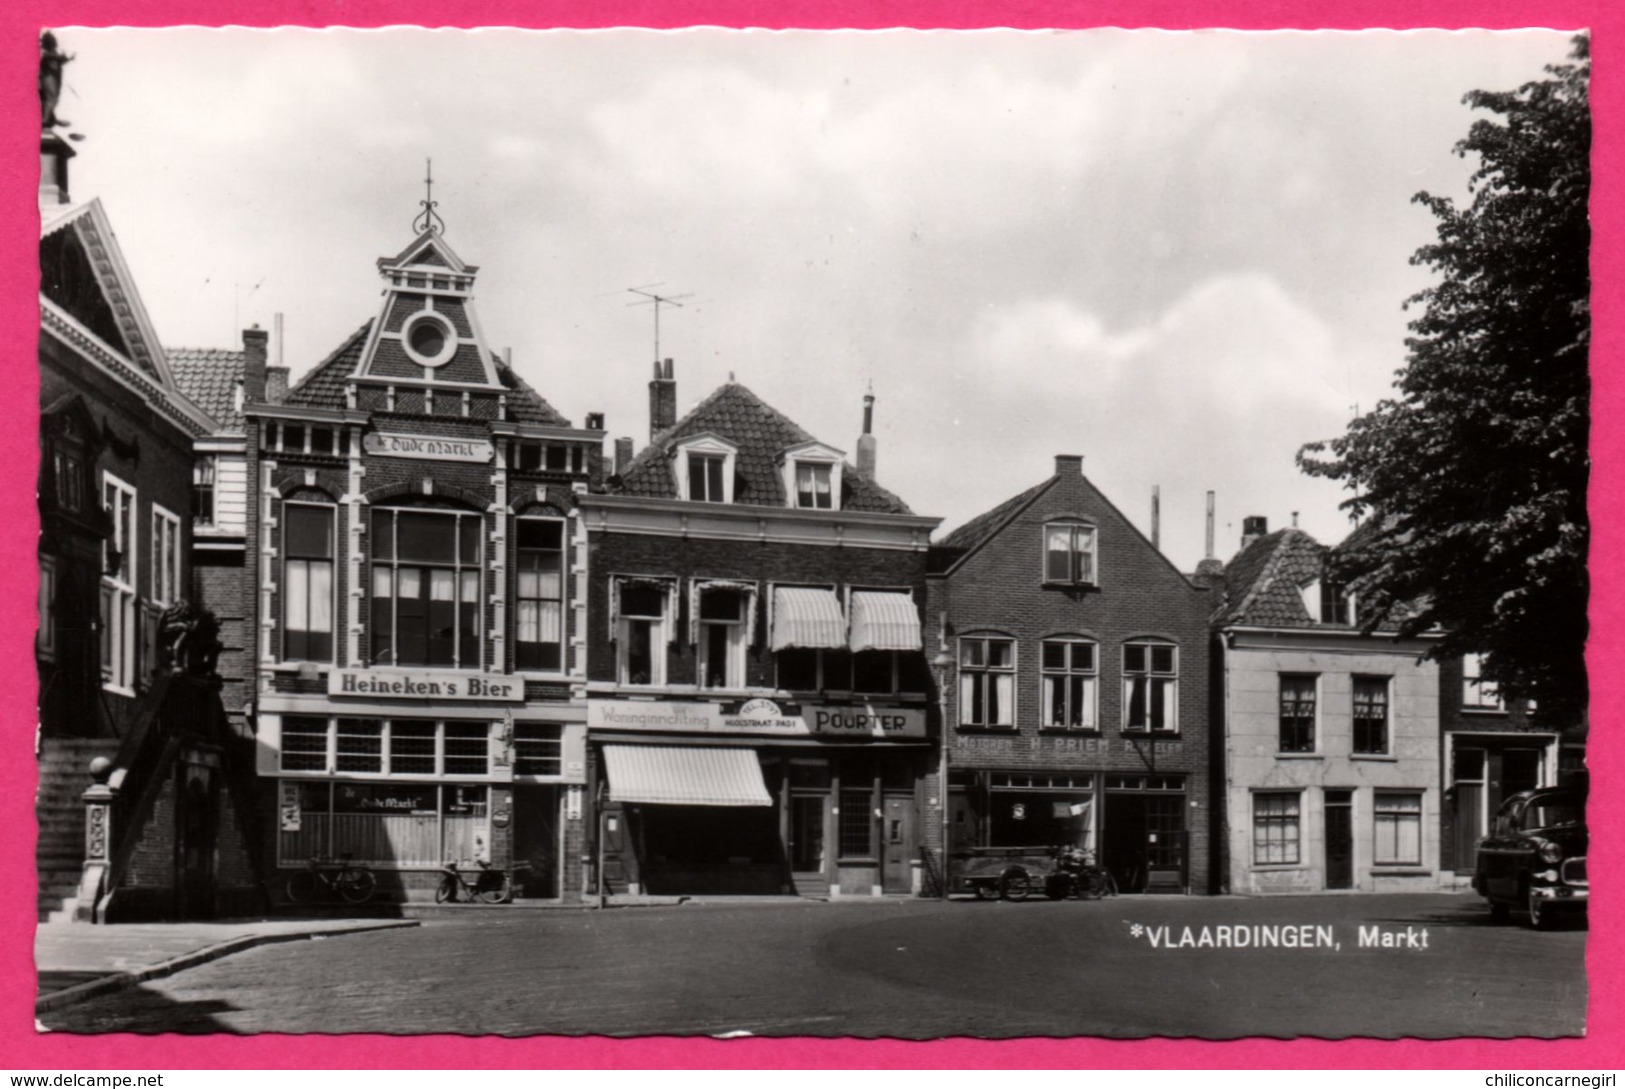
column 657, row 301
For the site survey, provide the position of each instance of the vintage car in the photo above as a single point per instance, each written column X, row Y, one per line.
column 1534, row 858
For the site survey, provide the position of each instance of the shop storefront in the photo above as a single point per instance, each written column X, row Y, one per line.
column 757, row 797
column 1134, row 824
column 406, row 786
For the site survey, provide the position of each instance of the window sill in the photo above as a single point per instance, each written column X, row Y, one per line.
column 1149, row 735
column 1483, row 711
column 1300, row 756
column 1374, row 757
column 1069, row 731
column 1002, row 731
column 858, row 860
column 1277, row 867
column 118, row 690
column 1052, row 584
column 1400, row 871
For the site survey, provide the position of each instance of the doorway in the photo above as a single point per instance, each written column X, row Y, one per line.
column 897, row 844
column 1339, row 839
column 809, row 832
column 536, row 839
column 197, row 825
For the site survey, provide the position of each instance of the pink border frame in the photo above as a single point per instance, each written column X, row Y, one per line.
column 21, row 1048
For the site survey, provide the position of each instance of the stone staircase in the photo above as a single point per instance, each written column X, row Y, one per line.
column 59, row 855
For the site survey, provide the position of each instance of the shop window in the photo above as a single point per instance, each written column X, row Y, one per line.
column 426, row 577
column 360, row 745
column 1477, row 692
column 307, row 610
column 1398, row 829
column 857, row 828
column 384, row 824
column 987, row 682
column 722, row 627
column 1371, row 715
column 467, row 748
column 45, row 634
column 118, row 589
column 412, row 747
column 1151, row 687
column 539, row 606
column 642, row 620
column 1276, row 830
column 538, row 748
column 304, row 743
column 1069, row 682
column 1297, row 723
column 1069, row 554
column 203, row 481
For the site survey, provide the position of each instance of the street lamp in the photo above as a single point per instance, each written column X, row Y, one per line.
column 943, row 665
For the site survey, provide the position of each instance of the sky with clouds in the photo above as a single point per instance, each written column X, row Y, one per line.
column 1181, row 255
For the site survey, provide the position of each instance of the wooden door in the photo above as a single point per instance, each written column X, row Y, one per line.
column 1339, row 839
column 1468, row 806
column 897, row 843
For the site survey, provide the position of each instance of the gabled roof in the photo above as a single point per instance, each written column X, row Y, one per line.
column 762, row 433
column 972, row 534
column 1264, row 583
column 212, row 378
column 323, row 385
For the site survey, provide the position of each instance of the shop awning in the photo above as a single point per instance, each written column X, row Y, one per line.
column 684, row 775
column 804, row 617
column 884, row 621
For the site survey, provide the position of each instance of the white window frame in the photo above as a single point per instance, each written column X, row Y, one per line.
column 1297, row 842
column 1396, row 816
column 1476, row 693
column 166, row 556
column 660, row 629
column 990, row 674
column 1169, row 679
column 563, row 596
column 811, row 455
column 119, row 588
column 734, row 666
column 1075, row 529
column 45, row 634
column 1315, row 716
column 706, row 445
column 206, row 474
column 1314, row 603
column 286, row 588
column 1387, row 684
column 1091, row 699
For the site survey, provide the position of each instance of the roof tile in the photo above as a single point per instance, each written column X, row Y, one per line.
column 210, row 378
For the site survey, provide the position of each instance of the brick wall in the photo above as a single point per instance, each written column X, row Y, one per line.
column 1000, row 590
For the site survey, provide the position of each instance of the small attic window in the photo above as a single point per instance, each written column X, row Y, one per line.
column 812, row 476
column 1330, row 603
column 704, row 468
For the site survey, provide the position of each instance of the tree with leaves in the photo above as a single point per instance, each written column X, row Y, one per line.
column 1472, row 480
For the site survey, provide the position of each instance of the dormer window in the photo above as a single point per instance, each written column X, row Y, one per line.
column 1330, row 603
column 812, row 476
column 1069, row 554
column 704, row 467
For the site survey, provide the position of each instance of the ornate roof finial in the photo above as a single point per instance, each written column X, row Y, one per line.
column 429, row 220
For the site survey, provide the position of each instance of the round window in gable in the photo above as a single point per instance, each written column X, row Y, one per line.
column 428, row 339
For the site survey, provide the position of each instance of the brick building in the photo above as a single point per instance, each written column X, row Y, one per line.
column 1331, row 735
column 1076, row 672
column 757, row 696
column 141, row 811
column 413, row 577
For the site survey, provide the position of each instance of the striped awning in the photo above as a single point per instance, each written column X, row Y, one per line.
column 884, row 621
column 804, row 617
column 685, row 775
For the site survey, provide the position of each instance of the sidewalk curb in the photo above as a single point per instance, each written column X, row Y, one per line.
column 118, row 981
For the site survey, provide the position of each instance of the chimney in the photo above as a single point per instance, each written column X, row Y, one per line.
column 623, row 454
column 276, row 375
column 595, row 421
column 1209, row 553
column 1156, row 516
column 254, row 365
column 866, row 441
column 1068, row 464
column 662, row 399
column 1253, row 527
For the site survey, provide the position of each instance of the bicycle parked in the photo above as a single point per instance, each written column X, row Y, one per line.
column 489, row 886
column 322, row 879
column 1077, row 876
